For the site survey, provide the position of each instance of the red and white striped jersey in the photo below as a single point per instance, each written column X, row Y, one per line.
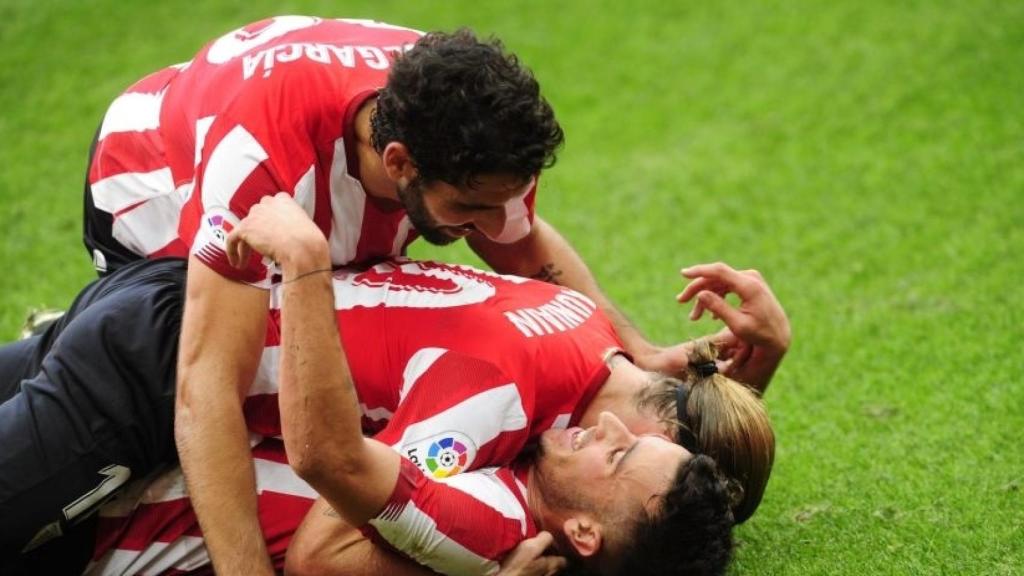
column 457, row 369
column 185, row 152
column 151, row 527
column 397, row 317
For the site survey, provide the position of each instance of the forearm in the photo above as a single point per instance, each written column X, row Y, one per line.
column 318, row 408
column 545, row 255
column 217, row 463
column 325, row 544
column 320, row 417
column 223, row 328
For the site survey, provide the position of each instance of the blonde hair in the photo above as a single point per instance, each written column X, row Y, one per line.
column 727, row 419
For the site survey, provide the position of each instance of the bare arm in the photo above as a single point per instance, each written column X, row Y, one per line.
column 545, row 255
column 320, row 418
column 326, row 545
column 221, row 341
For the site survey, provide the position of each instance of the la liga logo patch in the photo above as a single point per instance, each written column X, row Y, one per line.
column 220, row 227
column 442, row 455
column 446, row 457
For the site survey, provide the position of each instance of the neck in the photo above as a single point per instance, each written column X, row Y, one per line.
column 538, row 509
column 617, row 395
column 371, row 170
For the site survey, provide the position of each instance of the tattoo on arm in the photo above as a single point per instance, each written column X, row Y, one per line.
column 331, row 512
column 548, row 273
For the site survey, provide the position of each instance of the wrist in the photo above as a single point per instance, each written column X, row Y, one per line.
column 304, row 256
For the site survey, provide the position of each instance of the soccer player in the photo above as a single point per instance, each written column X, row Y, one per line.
column 453, row 411
column 380, row 133
column 541, row 348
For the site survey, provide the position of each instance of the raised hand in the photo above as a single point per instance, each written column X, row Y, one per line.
column 758, row 332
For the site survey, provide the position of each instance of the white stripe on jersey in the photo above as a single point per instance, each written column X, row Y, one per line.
column 348, row 294
column 118, row 192
column 485, row 486
column 501, row 400
column 267, row 372
column 145, row 228
column 305, row 191
column 417, row 536
column 420, row 362
column 376, row 414
column 401, row 235
column 348, row 206
column 133, row 112
column 185, row 554
column 202, row 127
column 280, row 478
column 230, row 163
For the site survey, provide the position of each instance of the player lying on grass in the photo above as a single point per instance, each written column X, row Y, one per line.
column 473, row 308
column 382, row 133
column 615, row 502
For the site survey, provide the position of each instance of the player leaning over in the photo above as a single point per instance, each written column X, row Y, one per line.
column 381, row 134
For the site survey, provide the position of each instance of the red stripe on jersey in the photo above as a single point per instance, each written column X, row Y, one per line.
column 260, row 183
column 262, row 414
column 175, row 248
column 124, row 152
column 272, row 450
column 381, row 219
column 158, row 522
column 531, row 199
column 154, row 82
column 280, row 516
column 273, row 337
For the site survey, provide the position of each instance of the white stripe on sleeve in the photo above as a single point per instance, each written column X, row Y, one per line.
column 230, row 163
column 416, row 534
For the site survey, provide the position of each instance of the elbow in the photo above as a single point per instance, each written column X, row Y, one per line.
column 301, row 562
column 307, row 466
column 328, row 466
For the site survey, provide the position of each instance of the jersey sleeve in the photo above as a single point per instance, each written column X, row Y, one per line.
column 262, row 144
column 462, row 525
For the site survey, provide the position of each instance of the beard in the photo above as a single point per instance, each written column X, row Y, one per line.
column 412, row 199
column 556, row 490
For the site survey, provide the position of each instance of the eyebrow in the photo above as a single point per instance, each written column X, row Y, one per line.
column 618, row 465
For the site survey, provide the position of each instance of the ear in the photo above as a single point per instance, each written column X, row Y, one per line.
column 398, row 163
column 583, row 534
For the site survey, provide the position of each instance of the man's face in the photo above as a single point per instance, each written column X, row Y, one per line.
column 606, row 467
column 442, row 213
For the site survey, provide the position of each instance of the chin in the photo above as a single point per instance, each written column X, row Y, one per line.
column 436, row 237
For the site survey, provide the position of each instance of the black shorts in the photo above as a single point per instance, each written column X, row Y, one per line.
column 88, row 404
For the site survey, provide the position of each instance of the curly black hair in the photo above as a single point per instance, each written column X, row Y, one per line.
column 465, row 108
column 691, row 533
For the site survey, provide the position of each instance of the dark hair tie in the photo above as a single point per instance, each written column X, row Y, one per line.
column 706, row 369
column 685, row 437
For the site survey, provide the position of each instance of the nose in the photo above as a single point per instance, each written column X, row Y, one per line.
column 611, row 429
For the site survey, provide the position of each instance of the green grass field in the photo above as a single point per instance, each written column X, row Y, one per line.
column 867, row 157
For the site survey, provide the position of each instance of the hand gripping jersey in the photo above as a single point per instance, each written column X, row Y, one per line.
column 458, row 370
column 184, row 153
